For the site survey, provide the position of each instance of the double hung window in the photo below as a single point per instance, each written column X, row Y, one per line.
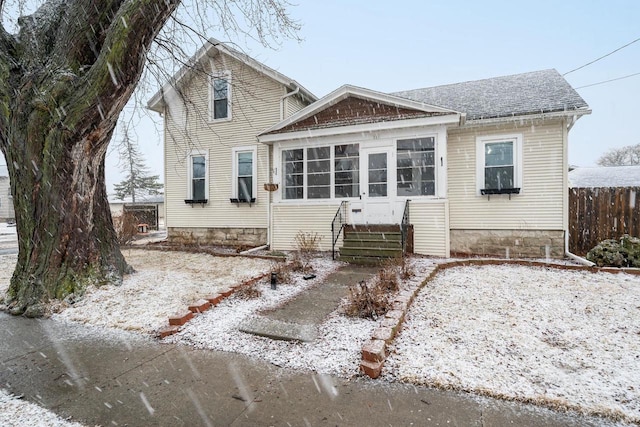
column 244, row 174
column 198, row 177
column 499, row 167
column 220, row 96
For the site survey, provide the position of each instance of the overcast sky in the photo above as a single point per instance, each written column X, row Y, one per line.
column 391, row 46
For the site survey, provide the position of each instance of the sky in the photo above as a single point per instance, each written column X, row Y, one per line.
column 392, row 46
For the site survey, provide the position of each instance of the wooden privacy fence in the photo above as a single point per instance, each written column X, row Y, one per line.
column 596, row 214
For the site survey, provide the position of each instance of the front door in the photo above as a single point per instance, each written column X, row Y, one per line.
column 375, row 189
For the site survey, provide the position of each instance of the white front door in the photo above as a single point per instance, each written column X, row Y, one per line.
column 376, row 189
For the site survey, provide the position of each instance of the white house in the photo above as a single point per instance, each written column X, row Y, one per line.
column 475, row 168
column 6, row 201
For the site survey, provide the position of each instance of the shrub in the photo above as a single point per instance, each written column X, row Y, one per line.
column 126, row 227
column 307, row 242
column 366, row 301
column 616, row 253
column 248, row 292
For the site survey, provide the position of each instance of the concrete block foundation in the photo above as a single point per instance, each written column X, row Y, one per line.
column 508, row 243
column 250, row 237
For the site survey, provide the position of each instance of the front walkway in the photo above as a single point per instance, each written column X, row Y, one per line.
column 297, row 320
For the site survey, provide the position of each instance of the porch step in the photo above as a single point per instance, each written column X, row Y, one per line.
column 371, row 244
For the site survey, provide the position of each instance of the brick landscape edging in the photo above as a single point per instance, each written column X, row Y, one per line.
column 374, row 351
column 202, row 305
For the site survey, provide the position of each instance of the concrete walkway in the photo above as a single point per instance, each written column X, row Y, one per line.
column 101, row 378
column 297, row 320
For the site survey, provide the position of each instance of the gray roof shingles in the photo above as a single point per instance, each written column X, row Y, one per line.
column 535, row 92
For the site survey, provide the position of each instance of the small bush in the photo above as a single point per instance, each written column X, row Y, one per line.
column 307, row 242
column 249, row 292
column 616, row 253
column 367, row 301
column 283, row 272
column 126, row 227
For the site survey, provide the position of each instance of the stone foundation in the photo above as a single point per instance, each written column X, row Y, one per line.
column 508, row 243
column 251, row 237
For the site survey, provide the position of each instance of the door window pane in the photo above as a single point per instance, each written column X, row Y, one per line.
column 377, row 175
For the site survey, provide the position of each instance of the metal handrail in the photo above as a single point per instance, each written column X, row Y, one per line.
column 339, row 219
column 404, row 226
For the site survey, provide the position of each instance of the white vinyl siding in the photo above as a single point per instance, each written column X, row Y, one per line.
column 540, row 204
column 289, row 219
column 256, row 106
column 430, row 227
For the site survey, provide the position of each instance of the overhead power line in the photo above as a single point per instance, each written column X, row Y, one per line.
column 611, row 80
column 602, row 57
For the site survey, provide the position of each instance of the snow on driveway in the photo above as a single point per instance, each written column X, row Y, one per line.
column 565, row 339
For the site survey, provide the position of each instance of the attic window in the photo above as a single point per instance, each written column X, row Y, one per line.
column 220, row 96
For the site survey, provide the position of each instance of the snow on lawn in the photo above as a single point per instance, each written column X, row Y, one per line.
column 164, row 283
column 565, row 339
column 18, row 413
column 335, row 351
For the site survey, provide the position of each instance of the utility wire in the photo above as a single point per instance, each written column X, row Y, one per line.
column 602, row 57
column 607, row 81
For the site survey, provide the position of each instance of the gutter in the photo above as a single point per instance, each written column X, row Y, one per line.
column 285, row 96
column 576, row 114
column 574, row 256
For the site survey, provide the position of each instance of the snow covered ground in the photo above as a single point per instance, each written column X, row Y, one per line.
column 164, row 283
column 565, row 339
column 15, row 412
column 561, row 338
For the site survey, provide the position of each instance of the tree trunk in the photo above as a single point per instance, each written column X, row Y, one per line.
column 63, row 83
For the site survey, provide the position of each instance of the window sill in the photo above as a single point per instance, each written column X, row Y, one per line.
column 196, row 202
column 490, row 191
column 238, row 201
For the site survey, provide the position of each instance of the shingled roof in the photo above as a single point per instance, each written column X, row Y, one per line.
column 536, row 92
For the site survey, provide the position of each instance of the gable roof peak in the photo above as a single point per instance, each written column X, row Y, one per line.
column 210, row 49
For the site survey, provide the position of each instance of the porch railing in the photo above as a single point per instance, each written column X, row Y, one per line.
column 338, row 223
column 404, row 226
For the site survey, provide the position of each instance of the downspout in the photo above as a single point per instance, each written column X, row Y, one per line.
column 285, row 96
column 574, row 256
column 567, row 253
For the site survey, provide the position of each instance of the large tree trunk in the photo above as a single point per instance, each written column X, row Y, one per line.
column 63, row 82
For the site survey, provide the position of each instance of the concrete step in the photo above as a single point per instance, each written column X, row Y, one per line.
column 371, row 243
column 361, row 235
column 371, row 251
column 363, row 260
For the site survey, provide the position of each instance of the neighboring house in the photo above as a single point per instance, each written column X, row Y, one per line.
column 215, row 168
column 483, row 164
column 605, row 176
column 117, row 206
column 6, row 201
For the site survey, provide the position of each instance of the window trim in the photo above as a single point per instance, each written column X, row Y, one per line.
column 254, row 172
column 225, row 74
column 190, row 156
column 481, row 142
